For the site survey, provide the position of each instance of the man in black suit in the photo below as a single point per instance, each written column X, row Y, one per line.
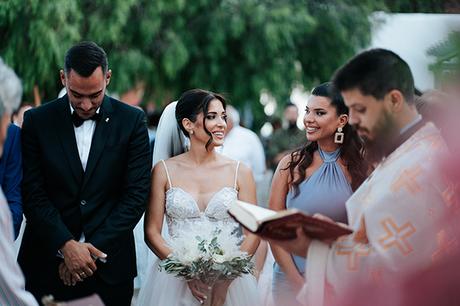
column 86, row 182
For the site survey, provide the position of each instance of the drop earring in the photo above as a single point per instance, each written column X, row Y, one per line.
column 191, row 132
column 339, row 135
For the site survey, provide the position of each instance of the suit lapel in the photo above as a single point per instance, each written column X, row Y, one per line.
column 99, row 139
column 66, row 133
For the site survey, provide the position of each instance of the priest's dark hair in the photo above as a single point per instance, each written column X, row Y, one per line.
column 376, row 72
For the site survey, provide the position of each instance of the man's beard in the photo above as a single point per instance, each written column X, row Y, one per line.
column 385, row 134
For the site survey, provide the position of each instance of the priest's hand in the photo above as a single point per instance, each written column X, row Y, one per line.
column 297, row 246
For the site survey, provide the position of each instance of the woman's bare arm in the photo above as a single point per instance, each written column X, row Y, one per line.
column 155, row 213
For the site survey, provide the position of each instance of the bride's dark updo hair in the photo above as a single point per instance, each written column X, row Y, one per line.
column 193, row 102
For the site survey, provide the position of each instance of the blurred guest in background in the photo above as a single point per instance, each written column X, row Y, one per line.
column 286, row 139
column 12, row 290
column 153, row 118
column 244, row 145
column 11, row 174
column 18, row 116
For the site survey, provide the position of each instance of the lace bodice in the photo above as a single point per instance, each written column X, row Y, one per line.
column 181, row 208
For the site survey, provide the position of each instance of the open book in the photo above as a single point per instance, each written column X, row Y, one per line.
column 282, row 225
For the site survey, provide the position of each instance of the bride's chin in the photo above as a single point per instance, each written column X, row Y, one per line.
column 217, row 142
column 217, row 145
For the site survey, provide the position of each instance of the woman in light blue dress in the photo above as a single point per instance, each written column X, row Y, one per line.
column 317, row 178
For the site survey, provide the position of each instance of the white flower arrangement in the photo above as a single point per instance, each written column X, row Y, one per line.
column 208, row 251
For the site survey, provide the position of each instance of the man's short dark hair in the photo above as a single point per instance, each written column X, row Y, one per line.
column 84, row 58
column 289, row 104
column 376, row 72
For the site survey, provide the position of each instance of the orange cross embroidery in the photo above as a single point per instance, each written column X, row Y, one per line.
column 397, row 236
column 354, row 251
column 445, row 245
column 408, row 180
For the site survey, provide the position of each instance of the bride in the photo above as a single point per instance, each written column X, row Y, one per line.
column 190, row 187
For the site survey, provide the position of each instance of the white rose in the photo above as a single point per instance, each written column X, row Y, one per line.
column 218, row 258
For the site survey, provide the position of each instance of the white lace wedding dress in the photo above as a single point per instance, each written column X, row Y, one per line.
column 164, row 289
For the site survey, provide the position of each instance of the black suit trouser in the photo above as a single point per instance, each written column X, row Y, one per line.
column 111, row 294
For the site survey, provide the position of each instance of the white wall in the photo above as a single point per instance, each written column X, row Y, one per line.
column 410, row 36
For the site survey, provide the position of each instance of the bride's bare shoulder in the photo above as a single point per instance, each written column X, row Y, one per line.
column 231, row 164
column 172, row 165
column 175, row 160
column 226, row 161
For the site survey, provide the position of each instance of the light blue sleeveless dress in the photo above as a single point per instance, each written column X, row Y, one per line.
column 324, row 192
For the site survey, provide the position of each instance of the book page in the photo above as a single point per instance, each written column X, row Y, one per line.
column 259, row 213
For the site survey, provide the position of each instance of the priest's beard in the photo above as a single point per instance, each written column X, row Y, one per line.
column 385, row 135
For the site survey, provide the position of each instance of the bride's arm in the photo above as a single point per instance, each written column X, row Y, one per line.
column 247, row 193
column 155, row 212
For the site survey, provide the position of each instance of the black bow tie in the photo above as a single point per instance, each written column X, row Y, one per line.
column 78, row 121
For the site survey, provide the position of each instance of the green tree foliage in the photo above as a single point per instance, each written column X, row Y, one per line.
column 421, row 6
column 342, row 28
column 242, row 47
column 34, row 36
column 238, row 47
column 446, row 67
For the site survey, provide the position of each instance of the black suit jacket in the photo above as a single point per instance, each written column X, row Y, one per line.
column 61, row 201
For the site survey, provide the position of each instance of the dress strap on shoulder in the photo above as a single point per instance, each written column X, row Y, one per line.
column 236, row 174
column 167, row 173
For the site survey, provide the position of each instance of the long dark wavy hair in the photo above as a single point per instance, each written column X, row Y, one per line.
column 352, row 149
column 193, row 102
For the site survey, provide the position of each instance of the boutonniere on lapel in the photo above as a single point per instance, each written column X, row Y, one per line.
column 107, row 119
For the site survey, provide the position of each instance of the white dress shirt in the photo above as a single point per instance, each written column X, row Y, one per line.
column 12, row 290
column 84, row 135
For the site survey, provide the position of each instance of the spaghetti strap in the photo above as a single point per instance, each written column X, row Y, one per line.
column 167, row 173
column 236, row 174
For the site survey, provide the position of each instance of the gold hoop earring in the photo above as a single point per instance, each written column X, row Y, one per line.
column 339, row 136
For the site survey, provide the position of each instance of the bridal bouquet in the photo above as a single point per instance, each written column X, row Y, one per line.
column 208, row 252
